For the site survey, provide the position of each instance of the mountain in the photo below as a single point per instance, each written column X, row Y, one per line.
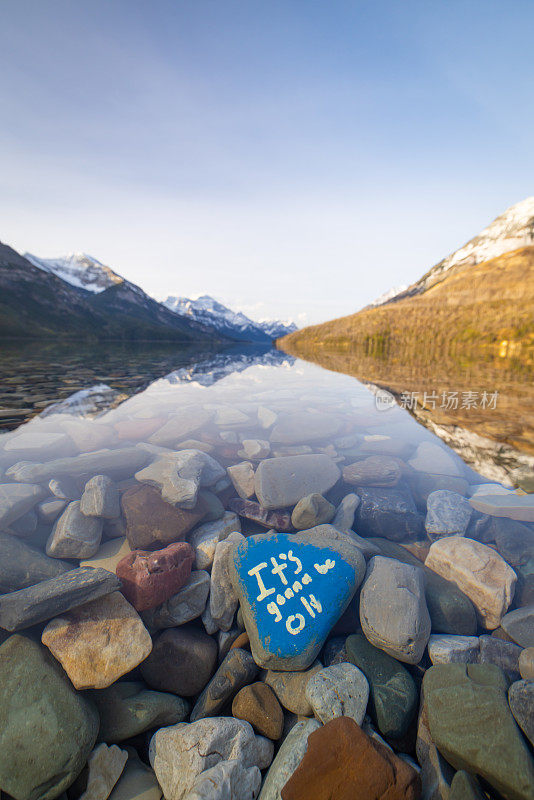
column 233, row 324
column 482, row 294
column 35, row 302
column 78, row 269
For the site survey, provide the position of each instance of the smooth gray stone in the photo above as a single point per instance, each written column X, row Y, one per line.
column 465, row 787
column 290, row 688
column 435, row 459
column 205, row 537
column 74, row 535
column 47, row 729
column 128, row 708
column 312, row 510
column 393, row 611
column 243, row 783
column 335, row 652
column 223, row 597
column 282, row 482
column 49, row 510
column 64, row 488
column 445, row 649
column 182, row 607
column 448, row 514
column 24, row 526
column 304, row 427
column 180, row 475
column 389, row 512
column 53, row 597
column 100, row 498
column 521, row 700
column 422, row 485
column 17, row 499
column 22, row 566
column 237, row 670
column 117, row 464
column 340, row 690
column 345, row 512
column 137, row 782
column 213, row 504
column 287, row 759
column 503, row 654
column 182, row 661
column 519, row 625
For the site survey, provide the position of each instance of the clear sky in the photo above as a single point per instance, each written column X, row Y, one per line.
column 294, row 158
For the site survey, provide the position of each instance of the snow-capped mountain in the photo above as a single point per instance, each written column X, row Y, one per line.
column 389, row 295
column 510, row 231
column 229, row 323
column 78, row 269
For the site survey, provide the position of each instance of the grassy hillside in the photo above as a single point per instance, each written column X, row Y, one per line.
column 486, row 304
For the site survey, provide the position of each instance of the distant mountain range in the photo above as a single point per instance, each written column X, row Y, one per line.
column 76, row 296
column 481, row 294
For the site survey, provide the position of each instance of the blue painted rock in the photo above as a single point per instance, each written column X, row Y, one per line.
column 292, row 590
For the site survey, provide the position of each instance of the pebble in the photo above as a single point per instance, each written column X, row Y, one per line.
column 182, row 661
column 388, row 512
column 312, row 510
column 256, row 449
column 444, row 649
column 151, row 522
column 393, row 610
column 105, row 765
column 223, row 595
column 521, row 700
column 519, row 625
column 373, row 471
column 340, row 690
column 16, row 499
column 249, row 509
column 504, row 655
column 22, row 566
column 526, row 664
column 393, row 697
column 99, row 642
column 258, row 705
column 44, row 722
column 289, row 611
column 448, row 514
column 343, row 519
column 151, row 577
column 49, row 510
column 282, row 482
column 242, row 477
column 479, row 572
column 290, row 688
column 287, row 759
column 100, row 498
column 181, row 754
column 137, row 781
column 74, row 535
column 205, row 537
column 342, row 761
column 187, row 604
column 238, row 669
column 461, row 701
column 37, row 603
column 180, row 475
column 116, row 464
column 514, row 506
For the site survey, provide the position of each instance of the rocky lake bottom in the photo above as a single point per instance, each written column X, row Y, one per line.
column 244, row 576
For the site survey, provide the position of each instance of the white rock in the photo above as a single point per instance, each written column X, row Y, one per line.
column 513, row 506
column 341, row 690
column 180, row 475
column 205, row 537
column 100, row 498
column 223, row 597
column 242, row 477
column 287, row 759
column 105, row 767
column 450, row 649
column 227, row 781
column 255, row 448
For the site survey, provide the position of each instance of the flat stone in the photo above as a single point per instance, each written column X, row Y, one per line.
column 448, row 514
column 479, row 572
column 373, row 471
column 105, row 766
column 37, row 445
column 151, row 577
column 473, row 728
column 215, row 509
column 303, row 428
column 49, row 510
column 109, row 554
column 237, row 670
column 393, row 610
column 74, row 535
column 513, row 506
column 422, row 485
column 116, row 464
column 312, row 510
column 229, row 416
column 43, row 723
column 380, row 445
column 445, row 649
column 22, row 566
column 153, row 523
column 99, row 642
column 388, row 512
column 24, row 526
column 227, row 777
column 181, row 754
column 242, row 477
column 128, row 708
column 450, row 610
column 465, row 787
column 100, row 498
column 205, row 537
column 343, row 519
column 184, row 606
column 292, row 590
column 513, row 540
column 434, row 459
column 180, row 475
column 137, row 781
column 182, row 661
column 266, row 417
column 17, row 499
column 526, row 664
column 521, row 700
column 342, row 761
column 273, row 520
column 255, row 449
column 341, row 690
column 258, row 705
column 47, row 599
column 223, row 595
column 187, row 422
column 290, row 688
column 393, row 697
column 287, row 759
column 519, row 625
column 282, row 482
column 504, row 655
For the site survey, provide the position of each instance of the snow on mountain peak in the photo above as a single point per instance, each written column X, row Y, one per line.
column 78, row 269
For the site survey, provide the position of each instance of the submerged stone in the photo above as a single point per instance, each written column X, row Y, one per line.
column 282, row 482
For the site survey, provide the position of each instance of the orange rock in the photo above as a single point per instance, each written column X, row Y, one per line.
column 242, row 641
column 342, row 762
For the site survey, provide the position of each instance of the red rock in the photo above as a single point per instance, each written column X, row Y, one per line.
column 279, row 520
column 342, row 762
column 153, row 523
column 151, row 577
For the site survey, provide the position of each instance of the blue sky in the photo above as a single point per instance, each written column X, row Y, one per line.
column 295, row 158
